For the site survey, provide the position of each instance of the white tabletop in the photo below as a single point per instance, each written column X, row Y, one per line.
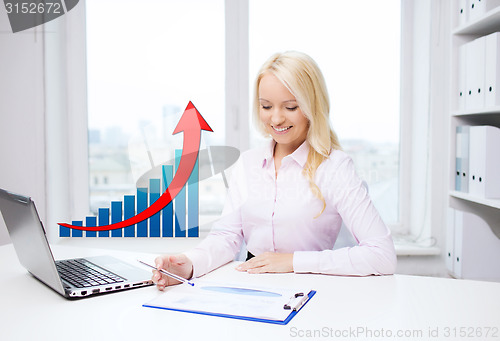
column 343, row 308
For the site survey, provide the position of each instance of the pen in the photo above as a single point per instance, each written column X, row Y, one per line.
column 296, row 302
column 169, row 274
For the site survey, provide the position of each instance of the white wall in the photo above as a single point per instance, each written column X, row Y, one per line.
column 439, row 97
column 22, row 137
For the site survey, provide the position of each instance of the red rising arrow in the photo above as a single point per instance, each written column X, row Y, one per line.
column 191, row 123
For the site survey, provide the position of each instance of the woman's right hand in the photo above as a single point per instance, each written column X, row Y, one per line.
column 177, row 264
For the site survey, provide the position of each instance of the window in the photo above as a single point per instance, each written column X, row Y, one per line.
column 357, row 46
column 146, row 60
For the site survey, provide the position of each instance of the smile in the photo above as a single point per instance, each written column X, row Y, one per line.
column 280, row 130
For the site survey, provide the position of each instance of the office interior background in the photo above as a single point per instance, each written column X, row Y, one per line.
column 88, row 103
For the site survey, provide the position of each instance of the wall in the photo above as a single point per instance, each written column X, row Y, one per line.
column 22, row 137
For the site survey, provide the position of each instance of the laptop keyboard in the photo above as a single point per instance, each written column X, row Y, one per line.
column 82, row 273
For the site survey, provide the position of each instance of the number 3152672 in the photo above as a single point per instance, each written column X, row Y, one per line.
column 34, row 8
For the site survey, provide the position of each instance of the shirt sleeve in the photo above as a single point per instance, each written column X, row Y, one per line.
column 375, row 253
column 225, row 239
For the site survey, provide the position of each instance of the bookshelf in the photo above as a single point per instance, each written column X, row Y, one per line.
column 464, row 31
column 493, row 203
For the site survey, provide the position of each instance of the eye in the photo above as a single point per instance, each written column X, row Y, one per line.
column 266, row 107
column 292, row 108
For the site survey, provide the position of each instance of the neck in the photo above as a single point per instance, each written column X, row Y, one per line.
column 282, row 150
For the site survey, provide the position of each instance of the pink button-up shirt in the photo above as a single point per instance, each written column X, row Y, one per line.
column 280, row 214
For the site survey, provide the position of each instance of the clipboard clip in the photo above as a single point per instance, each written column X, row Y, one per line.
column 296, row 302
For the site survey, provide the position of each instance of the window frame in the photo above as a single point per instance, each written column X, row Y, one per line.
column 65, row 92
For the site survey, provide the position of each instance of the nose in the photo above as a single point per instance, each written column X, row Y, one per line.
column 277, row 117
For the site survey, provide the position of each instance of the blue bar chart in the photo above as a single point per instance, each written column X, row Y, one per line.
column 180, row 218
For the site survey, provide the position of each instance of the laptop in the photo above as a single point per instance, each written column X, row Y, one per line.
column 72, row 278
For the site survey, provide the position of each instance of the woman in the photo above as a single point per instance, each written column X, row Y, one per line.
column 288, row 200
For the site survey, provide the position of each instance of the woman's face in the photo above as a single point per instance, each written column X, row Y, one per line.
column 281, row 114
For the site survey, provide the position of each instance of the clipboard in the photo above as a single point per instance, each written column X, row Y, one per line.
column 257, row 304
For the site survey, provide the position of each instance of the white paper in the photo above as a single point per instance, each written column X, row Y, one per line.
column 229, row 299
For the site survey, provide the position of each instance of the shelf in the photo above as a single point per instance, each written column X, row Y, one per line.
column 416, row 250
column 488, row 111
column 494, row 203
column 486, row 24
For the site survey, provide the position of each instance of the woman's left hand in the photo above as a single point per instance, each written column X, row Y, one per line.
column 268, row 262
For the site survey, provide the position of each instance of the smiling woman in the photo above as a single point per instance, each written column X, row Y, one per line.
column 293, row 81
column 287, row 201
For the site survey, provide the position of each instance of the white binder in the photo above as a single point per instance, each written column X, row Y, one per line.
column 492, row 67
column 462, row 87
column 474, row 74
column 478, row 8
column 484, row 161
column 463, row 12
column 457, row 244
column 450, row 240
column 462, row 159
column 474, row 9
column 476, row 248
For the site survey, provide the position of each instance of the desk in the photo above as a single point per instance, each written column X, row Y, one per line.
column 343, row 308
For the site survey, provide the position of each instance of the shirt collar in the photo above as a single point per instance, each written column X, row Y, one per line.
column 268, row 153
column 299, row 155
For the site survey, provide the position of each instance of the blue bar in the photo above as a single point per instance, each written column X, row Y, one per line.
column 91, row 222
column 193, row 202
column 154, row 194
column 77, row 233
column 142, row 204
column 116, row 217
column 168, row 211
column 129, row 212
column 180, row 203
column 64, row 231
column 104, row 220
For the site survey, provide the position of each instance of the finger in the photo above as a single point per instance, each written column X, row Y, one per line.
column 173, row 282
column 179, row 259
column 258, row 262
column 252, row 264
column 160, row 284
column 159, row 262
column 173, row 259
column 170, row 265
column 244, row 266
column 256, row 270
column 264, row 268
column 156, row 276
column 268, row 268
column 160, row 279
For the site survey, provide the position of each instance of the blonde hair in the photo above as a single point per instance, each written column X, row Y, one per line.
column 303, row 78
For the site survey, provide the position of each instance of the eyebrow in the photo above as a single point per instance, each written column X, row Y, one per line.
column 287, row 101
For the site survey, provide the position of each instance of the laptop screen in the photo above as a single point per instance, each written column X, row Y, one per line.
column 28, row 237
